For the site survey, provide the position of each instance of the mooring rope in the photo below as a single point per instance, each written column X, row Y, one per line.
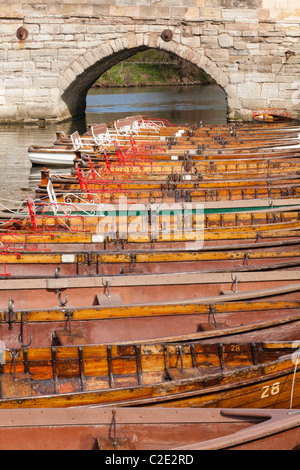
column 12, row 212
column 294, row 377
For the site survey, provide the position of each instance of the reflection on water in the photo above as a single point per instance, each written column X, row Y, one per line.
column 179, row 105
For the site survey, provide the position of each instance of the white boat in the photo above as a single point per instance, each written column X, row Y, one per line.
column 53, row 156
column 59, row 155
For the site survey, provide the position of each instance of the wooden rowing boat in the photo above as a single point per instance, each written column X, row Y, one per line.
column 180, row 430
column 211, row 139
column 261, row 315
column 211, row 134
column 201, row 162
column 243, row 375
column 142, row 222
column 71, row 261
column 175, row 193
column 167, row 166
column 270, row 115
column 195, row 228
column 94, row 179
column 18, row 239
column 189, row 187
column 138, row 288
column 65, row 155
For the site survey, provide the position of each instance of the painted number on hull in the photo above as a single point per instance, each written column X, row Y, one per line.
column 268, row 390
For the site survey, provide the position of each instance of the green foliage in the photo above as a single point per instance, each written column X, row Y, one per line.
column 153, row 67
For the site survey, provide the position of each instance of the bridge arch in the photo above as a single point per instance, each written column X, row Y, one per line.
column 75, row 81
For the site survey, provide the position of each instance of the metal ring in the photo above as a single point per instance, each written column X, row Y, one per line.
column 166, row 35
column 22, row 33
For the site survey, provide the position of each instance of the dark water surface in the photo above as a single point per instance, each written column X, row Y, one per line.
column 179, row 105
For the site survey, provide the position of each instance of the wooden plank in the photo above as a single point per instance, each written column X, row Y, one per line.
column 15, row 386
column 110, row 367
column 120, row 443
column 177, row 307
column 147, row 279
column 81, row 368
column 66, row 337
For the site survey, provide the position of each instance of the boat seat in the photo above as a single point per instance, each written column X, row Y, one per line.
column 139, row 117
column 100, row 134
column 122, row 443
column 99, row 128
column 123, row 126
column 211, row 326
column 132, row 270
column 228, row 292
column 76, row 140
column 17, row 386
column 174, row 373
column 67, row 338
column 114, row 300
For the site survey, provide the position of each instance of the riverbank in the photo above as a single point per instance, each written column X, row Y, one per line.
column 153, row 68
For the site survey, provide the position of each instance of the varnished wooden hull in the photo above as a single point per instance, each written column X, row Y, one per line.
column 218, row 140
column 60, row 155
column 164, row 223
column 243, row 375
column 191, row 188
column 178, row 196
column 20, row 239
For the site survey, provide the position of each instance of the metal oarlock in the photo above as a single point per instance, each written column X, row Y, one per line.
column 236, row 284
column 21, row 335
column 62, row 302
column 90, row 262
column 11, row 315
column 14, row 353
column 113, row 425
column 181, row 358
column 211, row 312
column 68, row 315
column 108, row 291
column 57, row 272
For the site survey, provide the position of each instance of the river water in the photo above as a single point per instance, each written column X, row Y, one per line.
column 179, row 105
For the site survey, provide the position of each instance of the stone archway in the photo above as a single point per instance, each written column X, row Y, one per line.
column 78, row 78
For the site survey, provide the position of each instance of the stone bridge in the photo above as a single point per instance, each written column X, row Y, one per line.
column 52, row 51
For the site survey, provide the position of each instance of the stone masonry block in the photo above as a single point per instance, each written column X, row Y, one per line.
column 249, row 90
column 270, row 90
column 225, row 40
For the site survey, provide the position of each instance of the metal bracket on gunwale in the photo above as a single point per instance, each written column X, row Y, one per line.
column 107, row 287
column 62, row 302
column 10, row 315
column 235, row 280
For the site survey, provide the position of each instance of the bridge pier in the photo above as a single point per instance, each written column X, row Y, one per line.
column 51, row 53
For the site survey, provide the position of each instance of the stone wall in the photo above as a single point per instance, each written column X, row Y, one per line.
column 250, row 47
